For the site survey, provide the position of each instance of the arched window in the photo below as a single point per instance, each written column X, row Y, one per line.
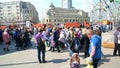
column 73, row 20
column 49, row 20
column 54, row 20
column 46, row 20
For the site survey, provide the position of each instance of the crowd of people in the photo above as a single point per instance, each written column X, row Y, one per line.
column 22, row 38
column 76, row 40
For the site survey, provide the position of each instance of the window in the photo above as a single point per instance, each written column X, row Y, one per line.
column 54, row 20
column 1, row 7
column 76, row 20
column 18, row 12
column 1, row 17
column 17, row 9
column 9, row 13
column 73, row 20
column 9, row 10
column 46, row 20
column 0, row 10
column 9, row 6
column 17, row 6
column 24, row 5
column 66, row 20
column 49, row 20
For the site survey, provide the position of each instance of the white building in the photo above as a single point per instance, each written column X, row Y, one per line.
column 57, row 15
column 18, row 12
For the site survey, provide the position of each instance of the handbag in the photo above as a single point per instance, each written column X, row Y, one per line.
column 53, row 43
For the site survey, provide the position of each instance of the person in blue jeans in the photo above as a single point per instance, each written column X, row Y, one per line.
column 40, row 47
column 95, row 48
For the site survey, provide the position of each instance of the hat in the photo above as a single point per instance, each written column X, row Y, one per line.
column 74, row 54
column 89, row 60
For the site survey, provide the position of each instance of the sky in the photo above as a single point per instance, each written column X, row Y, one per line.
column 43, row 5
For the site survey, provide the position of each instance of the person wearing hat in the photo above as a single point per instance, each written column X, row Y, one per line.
column 75, row 61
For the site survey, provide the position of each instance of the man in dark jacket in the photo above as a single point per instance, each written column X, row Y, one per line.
column 56, row 37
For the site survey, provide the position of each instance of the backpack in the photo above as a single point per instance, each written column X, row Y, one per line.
column 77, row 44
column 39, row 41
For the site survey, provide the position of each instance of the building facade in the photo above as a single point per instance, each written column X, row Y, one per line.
column 57, row 15
column 18, row 12
column 67, row 4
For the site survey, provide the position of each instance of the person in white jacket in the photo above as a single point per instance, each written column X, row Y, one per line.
column 62, row 39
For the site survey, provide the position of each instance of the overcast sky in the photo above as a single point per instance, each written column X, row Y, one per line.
column 42, row 5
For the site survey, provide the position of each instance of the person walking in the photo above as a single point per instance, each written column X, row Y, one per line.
column 56, row 38
column 95, row 48
column 85, row 43
column 40, row 46
column 26, row 38
column 116, row 33
column 75, row 44
column 1, row 38
column 119, row 42
column 6, row 39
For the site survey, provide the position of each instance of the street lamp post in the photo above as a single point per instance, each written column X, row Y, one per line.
column 100, row 11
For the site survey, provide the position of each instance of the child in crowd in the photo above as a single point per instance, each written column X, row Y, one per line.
column 75, row 61
column 89, row 62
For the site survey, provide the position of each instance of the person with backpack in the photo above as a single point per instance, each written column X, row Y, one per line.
column 18, row 40
column 40, row 46
column 70, row 35
column 75, row 45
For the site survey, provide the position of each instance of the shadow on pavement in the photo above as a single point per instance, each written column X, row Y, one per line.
column 12, row 64
column 108, row 55
column 105, row 59
column 58, row 60
column 63, row 51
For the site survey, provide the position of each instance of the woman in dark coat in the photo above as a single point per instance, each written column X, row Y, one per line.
column 85, row 42
column 75, row 42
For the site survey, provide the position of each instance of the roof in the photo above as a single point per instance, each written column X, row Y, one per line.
column 52, row 5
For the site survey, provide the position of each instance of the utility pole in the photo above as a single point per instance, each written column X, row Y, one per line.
column 100, row 8
column 117, row 18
